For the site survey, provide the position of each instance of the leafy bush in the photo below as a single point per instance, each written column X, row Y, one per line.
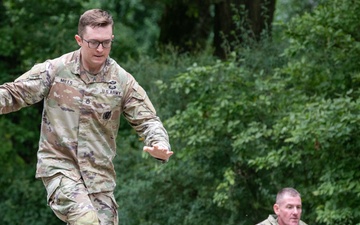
column 241, row 129
column 262, row 129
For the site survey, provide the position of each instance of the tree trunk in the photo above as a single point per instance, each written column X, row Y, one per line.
column 236, row 20
column 186, row 25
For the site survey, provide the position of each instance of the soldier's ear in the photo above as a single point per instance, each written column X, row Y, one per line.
column 78, row 39
column 276, row 209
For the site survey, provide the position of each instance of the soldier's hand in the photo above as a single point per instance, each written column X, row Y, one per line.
column 159, row 152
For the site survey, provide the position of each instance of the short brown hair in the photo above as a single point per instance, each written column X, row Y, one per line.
column 94, row 18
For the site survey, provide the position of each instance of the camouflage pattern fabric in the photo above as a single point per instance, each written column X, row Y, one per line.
column 272, row 220
column 71, row 202
column 81, row 117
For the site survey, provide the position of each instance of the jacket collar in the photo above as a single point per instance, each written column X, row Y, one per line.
column 75, row 67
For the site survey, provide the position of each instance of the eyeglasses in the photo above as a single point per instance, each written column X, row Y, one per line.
column 95, row 44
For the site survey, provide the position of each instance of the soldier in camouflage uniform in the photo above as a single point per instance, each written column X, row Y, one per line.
column 287, row 209
column 84, row 94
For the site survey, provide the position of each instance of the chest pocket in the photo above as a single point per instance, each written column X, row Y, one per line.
column 105, row 101
column 65, row 93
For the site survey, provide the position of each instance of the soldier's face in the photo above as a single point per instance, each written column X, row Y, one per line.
column 94, row 58
column 288, row 210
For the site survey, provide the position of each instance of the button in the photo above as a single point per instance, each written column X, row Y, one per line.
column 107, row 115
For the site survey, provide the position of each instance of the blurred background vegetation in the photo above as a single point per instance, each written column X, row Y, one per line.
column 256, row 96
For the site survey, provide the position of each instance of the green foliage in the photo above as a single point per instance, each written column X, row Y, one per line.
column 26, row 204
column 324, row 48
column 323, row 52
column 296, row 125
column 287, row 9
column 136, row 29
column 207, row 132
column 151, row 186
column 38, row 30
column 155, row 73
column 241, row 129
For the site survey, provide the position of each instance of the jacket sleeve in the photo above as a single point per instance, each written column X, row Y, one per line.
column 26, row 90
column 140, row 113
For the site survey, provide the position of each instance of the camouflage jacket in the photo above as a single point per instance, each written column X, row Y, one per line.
column 81, row 117
column 272, row 220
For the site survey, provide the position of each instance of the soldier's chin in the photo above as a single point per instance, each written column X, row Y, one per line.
column 98, row 60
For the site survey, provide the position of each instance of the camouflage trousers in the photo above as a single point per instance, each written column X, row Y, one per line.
column 71, row 202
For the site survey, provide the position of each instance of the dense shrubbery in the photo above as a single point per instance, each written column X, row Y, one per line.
column 277, row 113
column 246, row 127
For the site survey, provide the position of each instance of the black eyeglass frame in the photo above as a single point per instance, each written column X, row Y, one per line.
column 97, row 43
